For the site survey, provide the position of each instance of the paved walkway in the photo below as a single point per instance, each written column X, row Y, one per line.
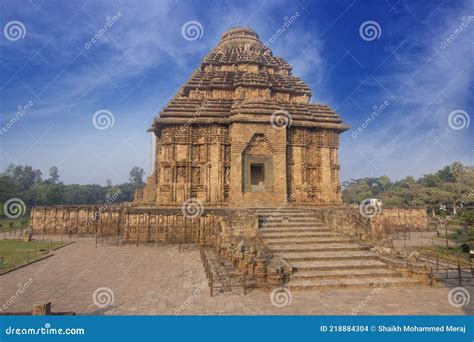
column 159, row 280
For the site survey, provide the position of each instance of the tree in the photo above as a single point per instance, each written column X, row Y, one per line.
column 53, row 175
column 23, row 176
column 136, row 176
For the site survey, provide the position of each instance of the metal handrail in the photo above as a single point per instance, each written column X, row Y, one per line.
column 211, row 277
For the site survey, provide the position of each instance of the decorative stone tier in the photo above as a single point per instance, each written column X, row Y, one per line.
column 349, row 221
column 129, row 224
column 215, row 225
column 241, row 131
column 266, row 244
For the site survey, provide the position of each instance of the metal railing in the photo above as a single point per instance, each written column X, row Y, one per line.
column 222, row 282
column 445, row 268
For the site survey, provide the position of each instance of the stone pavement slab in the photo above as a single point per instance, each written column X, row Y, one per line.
column 160, row 280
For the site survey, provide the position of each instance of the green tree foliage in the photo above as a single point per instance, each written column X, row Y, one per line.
column 136, row 176
column 26, row 183
column 449, row 186
column 53, row 175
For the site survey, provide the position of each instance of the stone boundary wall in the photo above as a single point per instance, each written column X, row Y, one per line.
column 130, row 224
column 233, row 232
column 399, row 218
column 349, row 221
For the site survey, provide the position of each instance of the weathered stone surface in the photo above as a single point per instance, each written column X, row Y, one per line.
column 226, row 119
column 240, row 136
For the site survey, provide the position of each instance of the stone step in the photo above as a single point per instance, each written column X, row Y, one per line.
column 276, row 248
column 328, row 256
column 335, row 274
column 308, row 241
column 338, row 265
column 305, row 285
column 288, row 217
column 292, row 226
column 277, row 216
column 280, row 236
column 293, row 230
column 283, row 210
column 279, row 219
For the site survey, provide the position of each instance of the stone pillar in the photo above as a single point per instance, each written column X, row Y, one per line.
column 41, row 309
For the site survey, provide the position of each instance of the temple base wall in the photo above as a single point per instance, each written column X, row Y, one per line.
column 151, row 224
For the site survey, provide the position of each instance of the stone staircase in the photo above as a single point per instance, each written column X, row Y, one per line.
column 322, row 258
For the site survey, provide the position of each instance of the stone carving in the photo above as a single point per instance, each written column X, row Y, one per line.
column 227, row 106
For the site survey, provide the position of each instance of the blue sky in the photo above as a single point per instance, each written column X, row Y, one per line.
column 416, row 71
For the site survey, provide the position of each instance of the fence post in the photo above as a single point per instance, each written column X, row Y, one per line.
column 211, row 283
column 437, row 262
column 459, row 272
column 245, row 283
column 179, row 244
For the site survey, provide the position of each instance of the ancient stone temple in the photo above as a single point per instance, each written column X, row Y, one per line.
column 259, row 164
column 242, row 132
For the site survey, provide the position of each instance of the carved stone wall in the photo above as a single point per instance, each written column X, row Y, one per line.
column 227, row 117
column 257, row 142
column 349, row 221
column 129, row 224
column 192, row 161
column 148, row 223
column 313, row 166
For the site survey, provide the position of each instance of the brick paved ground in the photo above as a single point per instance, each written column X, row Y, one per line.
column 159, row 280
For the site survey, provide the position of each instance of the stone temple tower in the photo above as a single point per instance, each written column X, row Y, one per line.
column 242, row 132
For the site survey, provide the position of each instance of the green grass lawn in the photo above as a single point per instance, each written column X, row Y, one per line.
column 452, row 253
column 12, row 224
column 461, row 235
column 16, row 252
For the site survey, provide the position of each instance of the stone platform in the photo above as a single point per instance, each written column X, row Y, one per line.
column 321, row 257
column 159, row 280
